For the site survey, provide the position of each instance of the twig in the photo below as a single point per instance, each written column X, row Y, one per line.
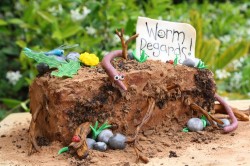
column 209, row 117
column 36, row 113
column 32, row 141
column 131, row 38
column 240, row 114
column 144, row 120
column 81, row 147
column 134, row 140
column 140, row 156
column 221, row 116
column 125, row 43
column 19, row 105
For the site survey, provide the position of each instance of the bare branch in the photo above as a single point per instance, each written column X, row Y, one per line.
column 125, row 43
column 134, row 140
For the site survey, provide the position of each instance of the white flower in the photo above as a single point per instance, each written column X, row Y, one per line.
column 13, row 77
column 91, row 30
column 56, row 10
column 242, row 59
column 221, row 74
column 213, row 16
column 235, row 81
column 236, row 64
column 103, row 53
column 248, row 22
column 76, row 15
column 237, row 76
column 18, row 6
column 243, row 7
column 60, row 8
column 116, row 39
column 123, row 7
column 52, row 9
column 225, row 38
column 248, row 94
column 160, row 18
column 126, row 37
column 248, row 31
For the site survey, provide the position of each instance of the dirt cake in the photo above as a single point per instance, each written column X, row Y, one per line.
column 59, row 105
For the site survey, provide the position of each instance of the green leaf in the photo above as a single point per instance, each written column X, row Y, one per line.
column 3, row 23
column 96, row 125
column 42, row 58
column 209, row 50
column 64, row 149
column 70, row 31
column 57, row 34
column 175, row 60
column 201, row 65
column 142, row 58
column 24, row 106
column 185, row 130
column 15, row 21
column 28, row 80
column 135, row 56
column 96, row 131
column 11, row 103
column 204, row 122
column 130, row 26
column 3, row 113
column 104, row 126
column 46, row 16
column 196, row 21
column 21, row 43
column 67, row 69
column 19, row 84
column 236, row 50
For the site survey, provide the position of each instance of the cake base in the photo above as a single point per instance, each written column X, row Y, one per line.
column 59, row 105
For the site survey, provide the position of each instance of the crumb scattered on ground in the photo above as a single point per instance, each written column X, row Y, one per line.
column 163, row 148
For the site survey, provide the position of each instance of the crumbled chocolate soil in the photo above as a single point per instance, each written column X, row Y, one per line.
column 172, row 154
column 42, row 141
column 192, row 148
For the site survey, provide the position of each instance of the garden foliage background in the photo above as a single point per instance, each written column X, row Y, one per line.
column 223, row 37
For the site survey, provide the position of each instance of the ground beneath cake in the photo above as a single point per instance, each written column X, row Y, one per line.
column 164, row 148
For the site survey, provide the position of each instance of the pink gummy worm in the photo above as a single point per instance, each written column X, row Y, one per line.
column 229, row 111
column 111, row 71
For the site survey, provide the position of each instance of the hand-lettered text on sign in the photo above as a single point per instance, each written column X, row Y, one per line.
column 164, row 40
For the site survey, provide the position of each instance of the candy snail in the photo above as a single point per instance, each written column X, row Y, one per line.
column 111, row 71
column 229, row 111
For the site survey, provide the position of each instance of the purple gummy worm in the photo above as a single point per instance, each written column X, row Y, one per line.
column 111, row 71
column 229, row 111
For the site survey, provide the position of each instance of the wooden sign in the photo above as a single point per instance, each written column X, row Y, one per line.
column 164, row 40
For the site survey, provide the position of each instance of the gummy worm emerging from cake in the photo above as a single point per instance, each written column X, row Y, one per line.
column 229, row 111
column 111, row 71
